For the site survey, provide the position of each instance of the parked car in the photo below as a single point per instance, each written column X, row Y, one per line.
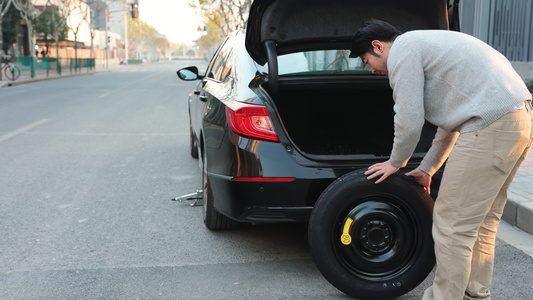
column 284, row 124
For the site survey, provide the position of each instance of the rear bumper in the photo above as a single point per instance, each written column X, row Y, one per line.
column 256, row 201
column 253, row 201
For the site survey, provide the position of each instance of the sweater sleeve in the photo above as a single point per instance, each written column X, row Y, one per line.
column 406, row 77
column 440, row 150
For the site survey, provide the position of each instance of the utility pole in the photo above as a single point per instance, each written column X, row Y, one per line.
column 126, row 20
column 106, row 40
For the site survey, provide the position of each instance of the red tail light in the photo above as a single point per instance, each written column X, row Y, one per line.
column 251, row 121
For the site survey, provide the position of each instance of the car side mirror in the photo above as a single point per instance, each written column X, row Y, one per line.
column 189, row 74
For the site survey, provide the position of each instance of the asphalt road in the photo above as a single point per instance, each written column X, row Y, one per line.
column 88, row 167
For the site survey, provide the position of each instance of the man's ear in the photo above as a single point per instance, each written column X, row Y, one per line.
column 378, row 46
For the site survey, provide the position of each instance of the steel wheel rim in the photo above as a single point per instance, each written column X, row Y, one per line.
column 385, row 238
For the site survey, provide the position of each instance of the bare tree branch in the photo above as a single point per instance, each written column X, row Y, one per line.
column 63, row 9
column 78, row 15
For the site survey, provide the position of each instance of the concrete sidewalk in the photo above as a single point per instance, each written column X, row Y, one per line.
column 518, row 210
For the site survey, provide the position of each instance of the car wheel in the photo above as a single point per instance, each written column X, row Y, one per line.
column 373, row 241
column 193, row 143
column 212, row 218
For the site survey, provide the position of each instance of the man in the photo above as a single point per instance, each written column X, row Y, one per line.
column 483, row 111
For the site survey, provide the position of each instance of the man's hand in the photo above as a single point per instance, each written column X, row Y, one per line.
column 385, row 169
column 423, row 178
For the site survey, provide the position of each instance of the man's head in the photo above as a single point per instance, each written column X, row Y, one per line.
column 372, row 43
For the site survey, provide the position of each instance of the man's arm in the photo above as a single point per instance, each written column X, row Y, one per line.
column 440, row 149
column 436, row 156
column 406, row 77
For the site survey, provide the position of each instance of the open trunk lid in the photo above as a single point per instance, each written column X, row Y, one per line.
column 299, row 25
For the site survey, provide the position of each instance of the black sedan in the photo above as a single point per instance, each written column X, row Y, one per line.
column 284, row 124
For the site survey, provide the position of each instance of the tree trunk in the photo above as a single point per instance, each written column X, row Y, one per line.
column 1, row 37
column 58, row 64
column 29, row 25
column 3, row 10
column 76, row 51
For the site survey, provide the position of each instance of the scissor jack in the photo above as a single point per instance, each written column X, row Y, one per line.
column 194, row 199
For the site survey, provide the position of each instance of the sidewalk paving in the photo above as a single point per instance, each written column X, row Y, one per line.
column 518, row 210
column 41, row 76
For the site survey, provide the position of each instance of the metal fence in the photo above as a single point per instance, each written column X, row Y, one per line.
column 45, row 66
column 504, row 24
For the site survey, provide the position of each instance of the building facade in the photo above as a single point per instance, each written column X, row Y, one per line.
column 506, row 25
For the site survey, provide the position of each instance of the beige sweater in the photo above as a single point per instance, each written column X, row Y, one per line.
column 454, row 81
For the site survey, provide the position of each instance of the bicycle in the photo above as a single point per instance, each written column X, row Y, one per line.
column 11, row 71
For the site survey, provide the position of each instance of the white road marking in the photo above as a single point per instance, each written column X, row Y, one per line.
column 22, row 130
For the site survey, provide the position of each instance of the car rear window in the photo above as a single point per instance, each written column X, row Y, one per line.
column 321, row 62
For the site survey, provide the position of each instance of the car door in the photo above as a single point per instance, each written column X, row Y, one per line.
column 214, row 93
column 199, row 97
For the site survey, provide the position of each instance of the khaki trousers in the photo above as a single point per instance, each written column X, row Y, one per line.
column 470, row 204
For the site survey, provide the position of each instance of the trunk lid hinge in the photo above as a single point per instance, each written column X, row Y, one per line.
column 272, row 58
column 453, row 15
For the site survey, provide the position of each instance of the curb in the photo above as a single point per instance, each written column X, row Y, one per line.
column 519, row 212
column 37, row 79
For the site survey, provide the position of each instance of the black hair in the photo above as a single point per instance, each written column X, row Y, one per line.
column 369, row 31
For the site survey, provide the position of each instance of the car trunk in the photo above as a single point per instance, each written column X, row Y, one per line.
column 340, row 118
column 333, row 116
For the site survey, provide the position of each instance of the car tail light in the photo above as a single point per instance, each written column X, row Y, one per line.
column 251, row 121
column 271, row 179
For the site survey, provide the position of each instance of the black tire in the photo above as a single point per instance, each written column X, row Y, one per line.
column 193, row 143
column 212, row 218
column 391, row 248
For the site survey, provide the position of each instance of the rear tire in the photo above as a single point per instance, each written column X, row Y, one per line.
column 212, row 218
column 387, row 249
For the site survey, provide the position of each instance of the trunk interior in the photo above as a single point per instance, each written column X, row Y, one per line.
column 341, row 118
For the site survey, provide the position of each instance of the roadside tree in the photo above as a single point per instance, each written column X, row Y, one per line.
column 4, row 7
column 45, row 27
column 79, row 12
column 61, row 10
column 227, row 15
column 143, row 39
column 221, row 18
column 210, row 41
column 97, row 8
column 28, row 14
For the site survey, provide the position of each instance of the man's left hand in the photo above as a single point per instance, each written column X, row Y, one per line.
column 384, row 169
column 423, row 178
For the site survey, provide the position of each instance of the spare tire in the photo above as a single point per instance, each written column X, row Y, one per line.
column 373, row 241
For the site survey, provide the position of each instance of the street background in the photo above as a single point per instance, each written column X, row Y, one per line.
column 89, row 165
